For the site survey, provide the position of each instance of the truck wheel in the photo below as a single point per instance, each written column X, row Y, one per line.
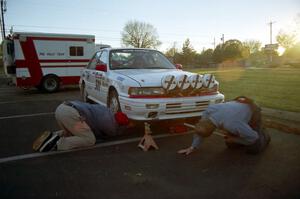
column 113, row 102
column 50, row 83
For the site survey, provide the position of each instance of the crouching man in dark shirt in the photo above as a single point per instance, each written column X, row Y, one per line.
column 80, row 122
column 239, row 120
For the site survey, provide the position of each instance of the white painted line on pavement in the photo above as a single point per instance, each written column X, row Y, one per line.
column 7, row 88
column 19, row 101
column 36, row 99
column 25, row 115
column 100, row 145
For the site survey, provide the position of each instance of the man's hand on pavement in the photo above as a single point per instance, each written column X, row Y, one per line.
column 229, row 138
column 186, row 151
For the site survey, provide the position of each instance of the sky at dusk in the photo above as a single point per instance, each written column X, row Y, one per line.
column 175, row 21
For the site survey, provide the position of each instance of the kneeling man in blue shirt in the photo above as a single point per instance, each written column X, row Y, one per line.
column 239, row 120
column 80, row 124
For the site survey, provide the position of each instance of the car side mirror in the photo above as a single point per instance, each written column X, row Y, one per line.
column 101, row 67
column 179, row 66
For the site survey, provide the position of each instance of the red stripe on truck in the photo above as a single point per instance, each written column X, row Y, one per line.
column 56, row 38
column 70, row 80
column 31, row 61
column 61, row 39
column 67, row 66
column 63, row 60
column 64, row 80
column 21, row 63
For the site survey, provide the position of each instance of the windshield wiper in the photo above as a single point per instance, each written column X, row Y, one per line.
column 156, row 68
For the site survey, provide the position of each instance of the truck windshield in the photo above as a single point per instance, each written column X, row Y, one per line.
column 138, row 59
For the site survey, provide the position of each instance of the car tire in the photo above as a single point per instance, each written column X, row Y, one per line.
column 50, row 83
column 113, row 102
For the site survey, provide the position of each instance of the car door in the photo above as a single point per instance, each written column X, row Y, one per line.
column 90, row 75
column 102, row 79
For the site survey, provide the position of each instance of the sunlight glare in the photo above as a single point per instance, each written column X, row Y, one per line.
column 280, row 50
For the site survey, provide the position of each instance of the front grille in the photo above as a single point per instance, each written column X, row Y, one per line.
column 190, row 92
column 181, row 108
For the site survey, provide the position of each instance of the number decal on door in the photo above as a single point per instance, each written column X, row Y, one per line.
column 98, row 84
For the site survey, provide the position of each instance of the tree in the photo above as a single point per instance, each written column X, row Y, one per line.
column 252, row 45
column 234, row 49
column 205, row 57
column 140, row 35
column 231, row 50
column 218, row 53
column 171, row 51
column 286, row 40
column 293, row 53
column 188, row 53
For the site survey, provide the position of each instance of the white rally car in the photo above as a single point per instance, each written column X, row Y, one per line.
column 145, row 85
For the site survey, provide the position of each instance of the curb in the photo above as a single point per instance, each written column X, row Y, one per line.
column 279, row 114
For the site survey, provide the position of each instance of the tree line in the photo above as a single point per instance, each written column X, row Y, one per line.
column 250, row 52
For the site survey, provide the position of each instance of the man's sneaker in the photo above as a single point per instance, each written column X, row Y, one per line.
column 38, row 142
column 50, row 144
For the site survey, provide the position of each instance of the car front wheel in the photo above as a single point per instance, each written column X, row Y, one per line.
column 113, row 102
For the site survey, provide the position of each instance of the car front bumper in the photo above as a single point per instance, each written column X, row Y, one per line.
column 167, row 108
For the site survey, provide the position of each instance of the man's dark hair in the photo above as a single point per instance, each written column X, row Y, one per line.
column 255, row 121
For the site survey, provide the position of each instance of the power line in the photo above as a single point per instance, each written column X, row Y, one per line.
column 95, row 29
column 101, row 37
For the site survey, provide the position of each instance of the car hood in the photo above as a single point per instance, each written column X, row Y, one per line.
column 150, row 77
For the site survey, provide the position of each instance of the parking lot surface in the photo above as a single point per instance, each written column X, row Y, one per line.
column 121, row 170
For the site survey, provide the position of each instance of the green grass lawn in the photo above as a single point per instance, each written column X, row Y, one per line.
column 277, row 88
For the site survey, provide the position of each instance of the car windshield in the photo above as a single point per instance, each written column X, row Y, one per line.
column 138, row 59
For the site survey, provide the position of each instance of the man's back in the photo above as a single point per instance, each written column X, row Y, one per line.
column 98, row 117
column 221, row 114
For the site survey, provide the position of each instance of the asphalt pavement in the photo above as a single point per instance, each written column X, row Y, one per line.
column 118, row 169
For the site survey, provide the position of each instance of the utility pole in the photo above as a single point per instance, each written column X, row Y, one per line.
column 3, row 10
column 223, row 39
column 214, row 42
column 271, row 27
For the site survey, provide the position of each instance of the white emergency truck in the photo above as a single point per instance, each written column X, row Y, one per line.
column 46, row 60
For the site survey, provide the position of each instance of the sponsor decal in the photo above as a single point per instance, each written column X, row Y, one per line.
column 51, row 54
column 98, row 75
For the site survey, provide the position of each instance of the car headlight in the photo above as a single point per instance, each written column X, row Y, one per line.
column 139, row 92
column 209, row 91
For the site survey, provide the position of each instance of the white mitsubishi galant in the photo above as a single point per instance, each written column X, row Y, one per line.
column 145, row 85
